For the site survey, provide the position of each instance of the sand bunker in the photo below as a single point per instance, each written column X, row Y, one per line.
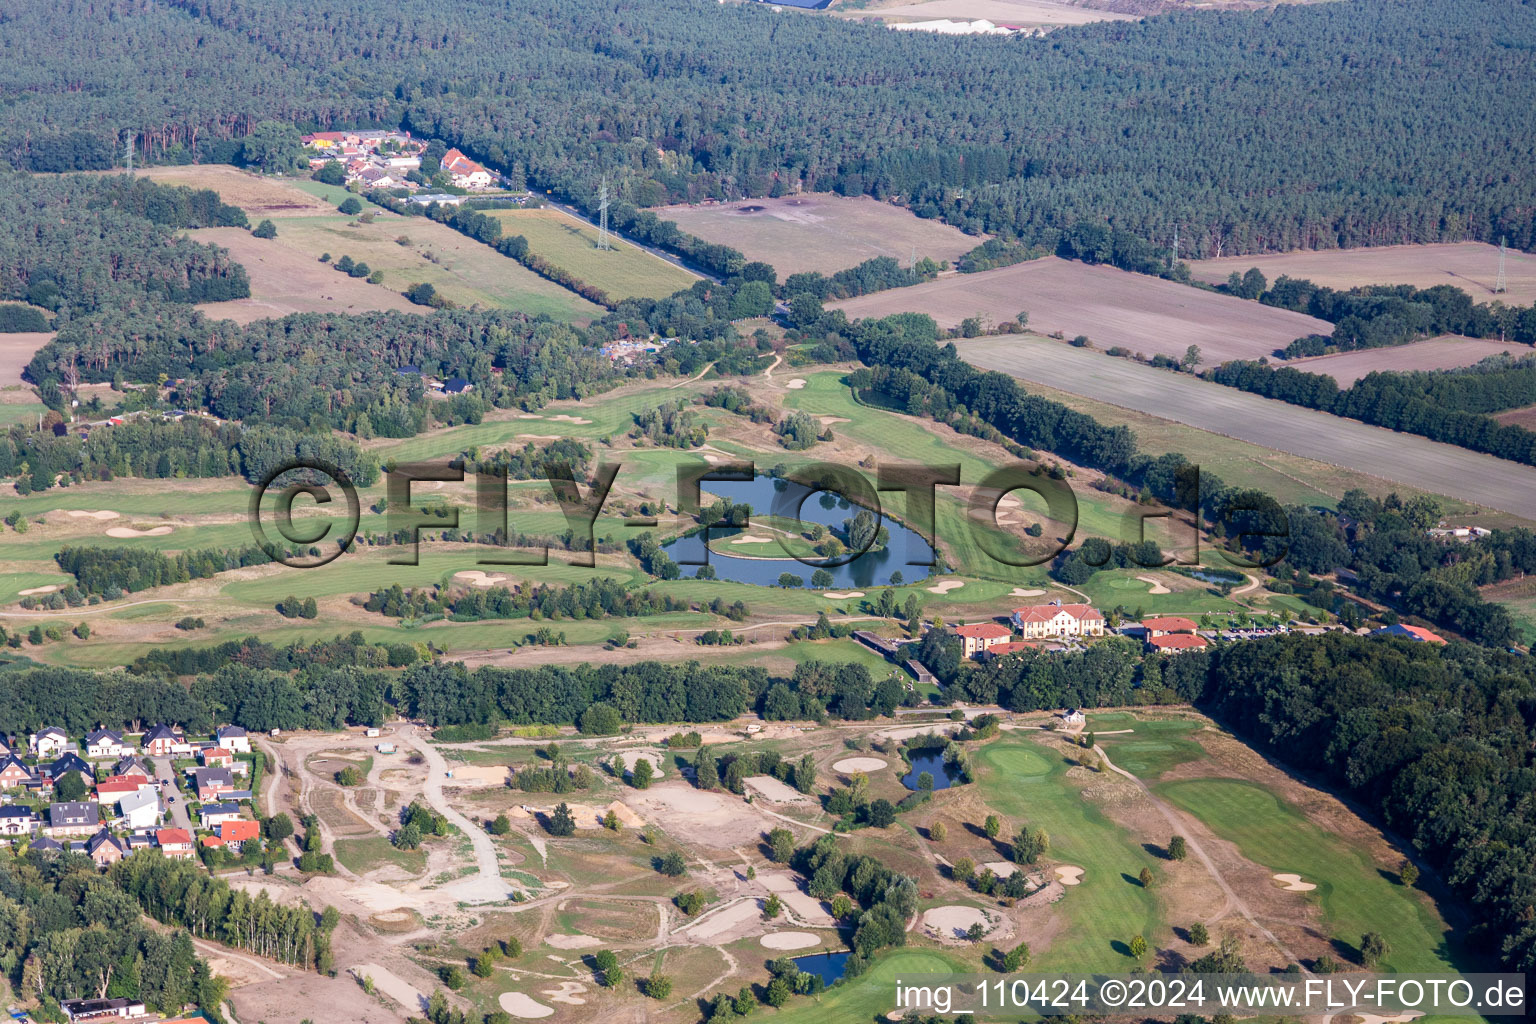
column 529, row 416
column 77, row 514
column 849, row 765
column 1157, row 588
column 749, row 540
column 50, row 588
column 796, row 384
column 770, row 788
column 1018, row 592
column 1009, row 503
column 562, row 941
column 128, row 531
column 790, row 940
column 1001, row 868
column 1293, row 883
column 842, row 595
column 1066, row 874
column 563, row 418
column 946, row 586
column 520, row 1005
column 476, row 578
column 954, row 922
column 568, row 993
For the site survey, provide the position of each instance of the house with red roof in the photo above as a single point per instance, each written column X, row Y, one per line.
column 1058, row 620
column 174, row 842
column 1176, row 643
column 982, row 636
column 1418, row 634
column 1160, row 625
column 464, row 172
column 239, row 831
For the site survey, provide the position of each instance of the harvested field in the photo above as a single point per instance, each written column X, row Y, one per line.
column 1446, row 353
column 1525, row 417
column 820, row 231
column 1112, row 307
column 284, row 281
column 259, row 197
column 16, row 351
column 1471, row 266
column 1374, row 451
column 1021, row 13
column 624, row 272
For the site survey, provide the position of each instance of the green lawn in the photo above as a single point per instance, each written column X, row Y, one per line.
column 873, row 994
column 623, row 272
column 1355, row 894
column 1025, row 781
column 1154, row 748
column 363, row 855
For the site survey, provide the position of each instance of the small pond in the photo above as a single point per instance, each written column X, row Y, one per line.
column 930, row 760
column 828, row 966
column 871, row 569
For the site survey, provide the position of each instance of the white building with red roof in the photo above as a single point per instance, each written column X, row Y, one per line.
column 464, row 172
column 1176, row 643
column 1160, row 625
column 1058, row 620
column 982, row 636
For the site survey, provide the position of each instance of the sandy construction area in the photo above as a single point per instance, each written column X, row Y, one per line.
column 808, row 909
column 820, row 231
column 478, row 775
column 953, row 922
column 128, row 531
column 1112, row 307
column 16, row 351
column 1373, row 451
column 724, row 920
column 651, row 754
column 770, row 788
column 569, row 993
column 715, row 819
column 1022, row 13
column 849, row 765
column 563, row 941
column 520, row 1004
column 1001, row 868
column 1434, row 354
column 392, row 985
column 790, row 940
column 1471, row 266
column 1293, row 883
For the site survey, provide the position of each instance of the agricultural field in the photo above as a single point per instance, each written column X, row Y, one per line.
column 1471, row 266
column 1357, row 447
column 624, row 272
column 1112, row 307
column 1447, row 353
column 1525, row 417
column 16, row 351
column 819, row 231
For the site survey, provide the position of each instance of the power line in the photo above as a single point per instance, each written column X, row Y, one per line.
column 602, row 215
column 1499, row 284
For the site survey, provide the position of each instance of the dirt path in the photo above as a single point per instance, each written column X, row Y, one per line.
column 777, row 359
column 1234, row 901
column 487, row 885
column 690, row 380
column 213, row 949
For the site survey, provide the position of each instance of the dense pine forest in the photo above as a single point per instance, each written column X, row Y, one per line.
column 1201, row 122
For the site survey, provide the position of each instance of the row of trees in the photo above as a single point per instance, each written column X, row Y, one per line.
column 584, row 599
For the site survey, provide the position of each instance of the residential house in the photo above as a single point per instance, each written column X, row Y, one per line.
column 457, row 386
column 216, row 757
column 14, row 773
column 378, row 177
column 1010, row 647
column 1418, row 634
column 165, row 741
column 101, row 1009
column 210, row 782
column 1176, row 643
column 49, row 742
column 1073, row 718
column 132, row 766
column 18, row 821
column 233, row 738
column 1161, row 625
column 174, row 842
column 43, row 844
column 71, row 762
column 75, row 818
column 1058, row 620
column 105, row 743
column 105, row 849
column 982, row 636
column 110, row 791
column 214, row 815
column 7, row 746
column 464, row 172
column 239, row 831
column 140, row 809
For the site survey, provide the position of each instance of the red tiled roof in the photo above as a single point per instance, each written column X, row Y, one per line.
column 1178, row 641
column 1169, row 624
column 1427, row 635
column 239, row 831
column 1014, row 646
column 173, row 837
column 984, row 631
column 1047, row 612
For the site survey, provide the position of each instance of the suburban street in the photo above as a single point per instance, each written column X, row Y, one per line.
column 166, row 773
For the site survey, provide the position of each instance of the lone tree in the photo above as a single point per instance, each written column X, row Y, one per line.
column 501, row 825
column 1373, row 948
column 937, row 832
column 1016, row 957
column 781, row 845
column 1408, row 873
column 672, row 865
column 1138, row 946
column 706, row 771
column 1030, row 845
column 993, row 826
column 1199, row 935
column 560, row 822
column 266, row 229
column 1178, row 849
column 772, row 906
column 1145, row 878
column 641, row 777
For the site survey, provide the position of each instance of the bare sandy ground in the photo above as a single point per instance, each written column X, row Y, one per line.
column 479, row 775
column 680, row 808
column 954, row 921
column 50, row 588
column 1024, row 13
column 1001, row 868
column 848, row 765
column 562, row 941
column 1374, row 451
column 520, row 1004
column 128, row 531
column 1293, row 883
column 102, row 514
column 796, row 384
column 1020, row 592
column 1471, row 266
column 724, row 920
column 770, row 788
column 1434, row 354
column 568, row 992
column 790, row 940
column 807, row 908
column 392, row 985
column 1112, row 307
